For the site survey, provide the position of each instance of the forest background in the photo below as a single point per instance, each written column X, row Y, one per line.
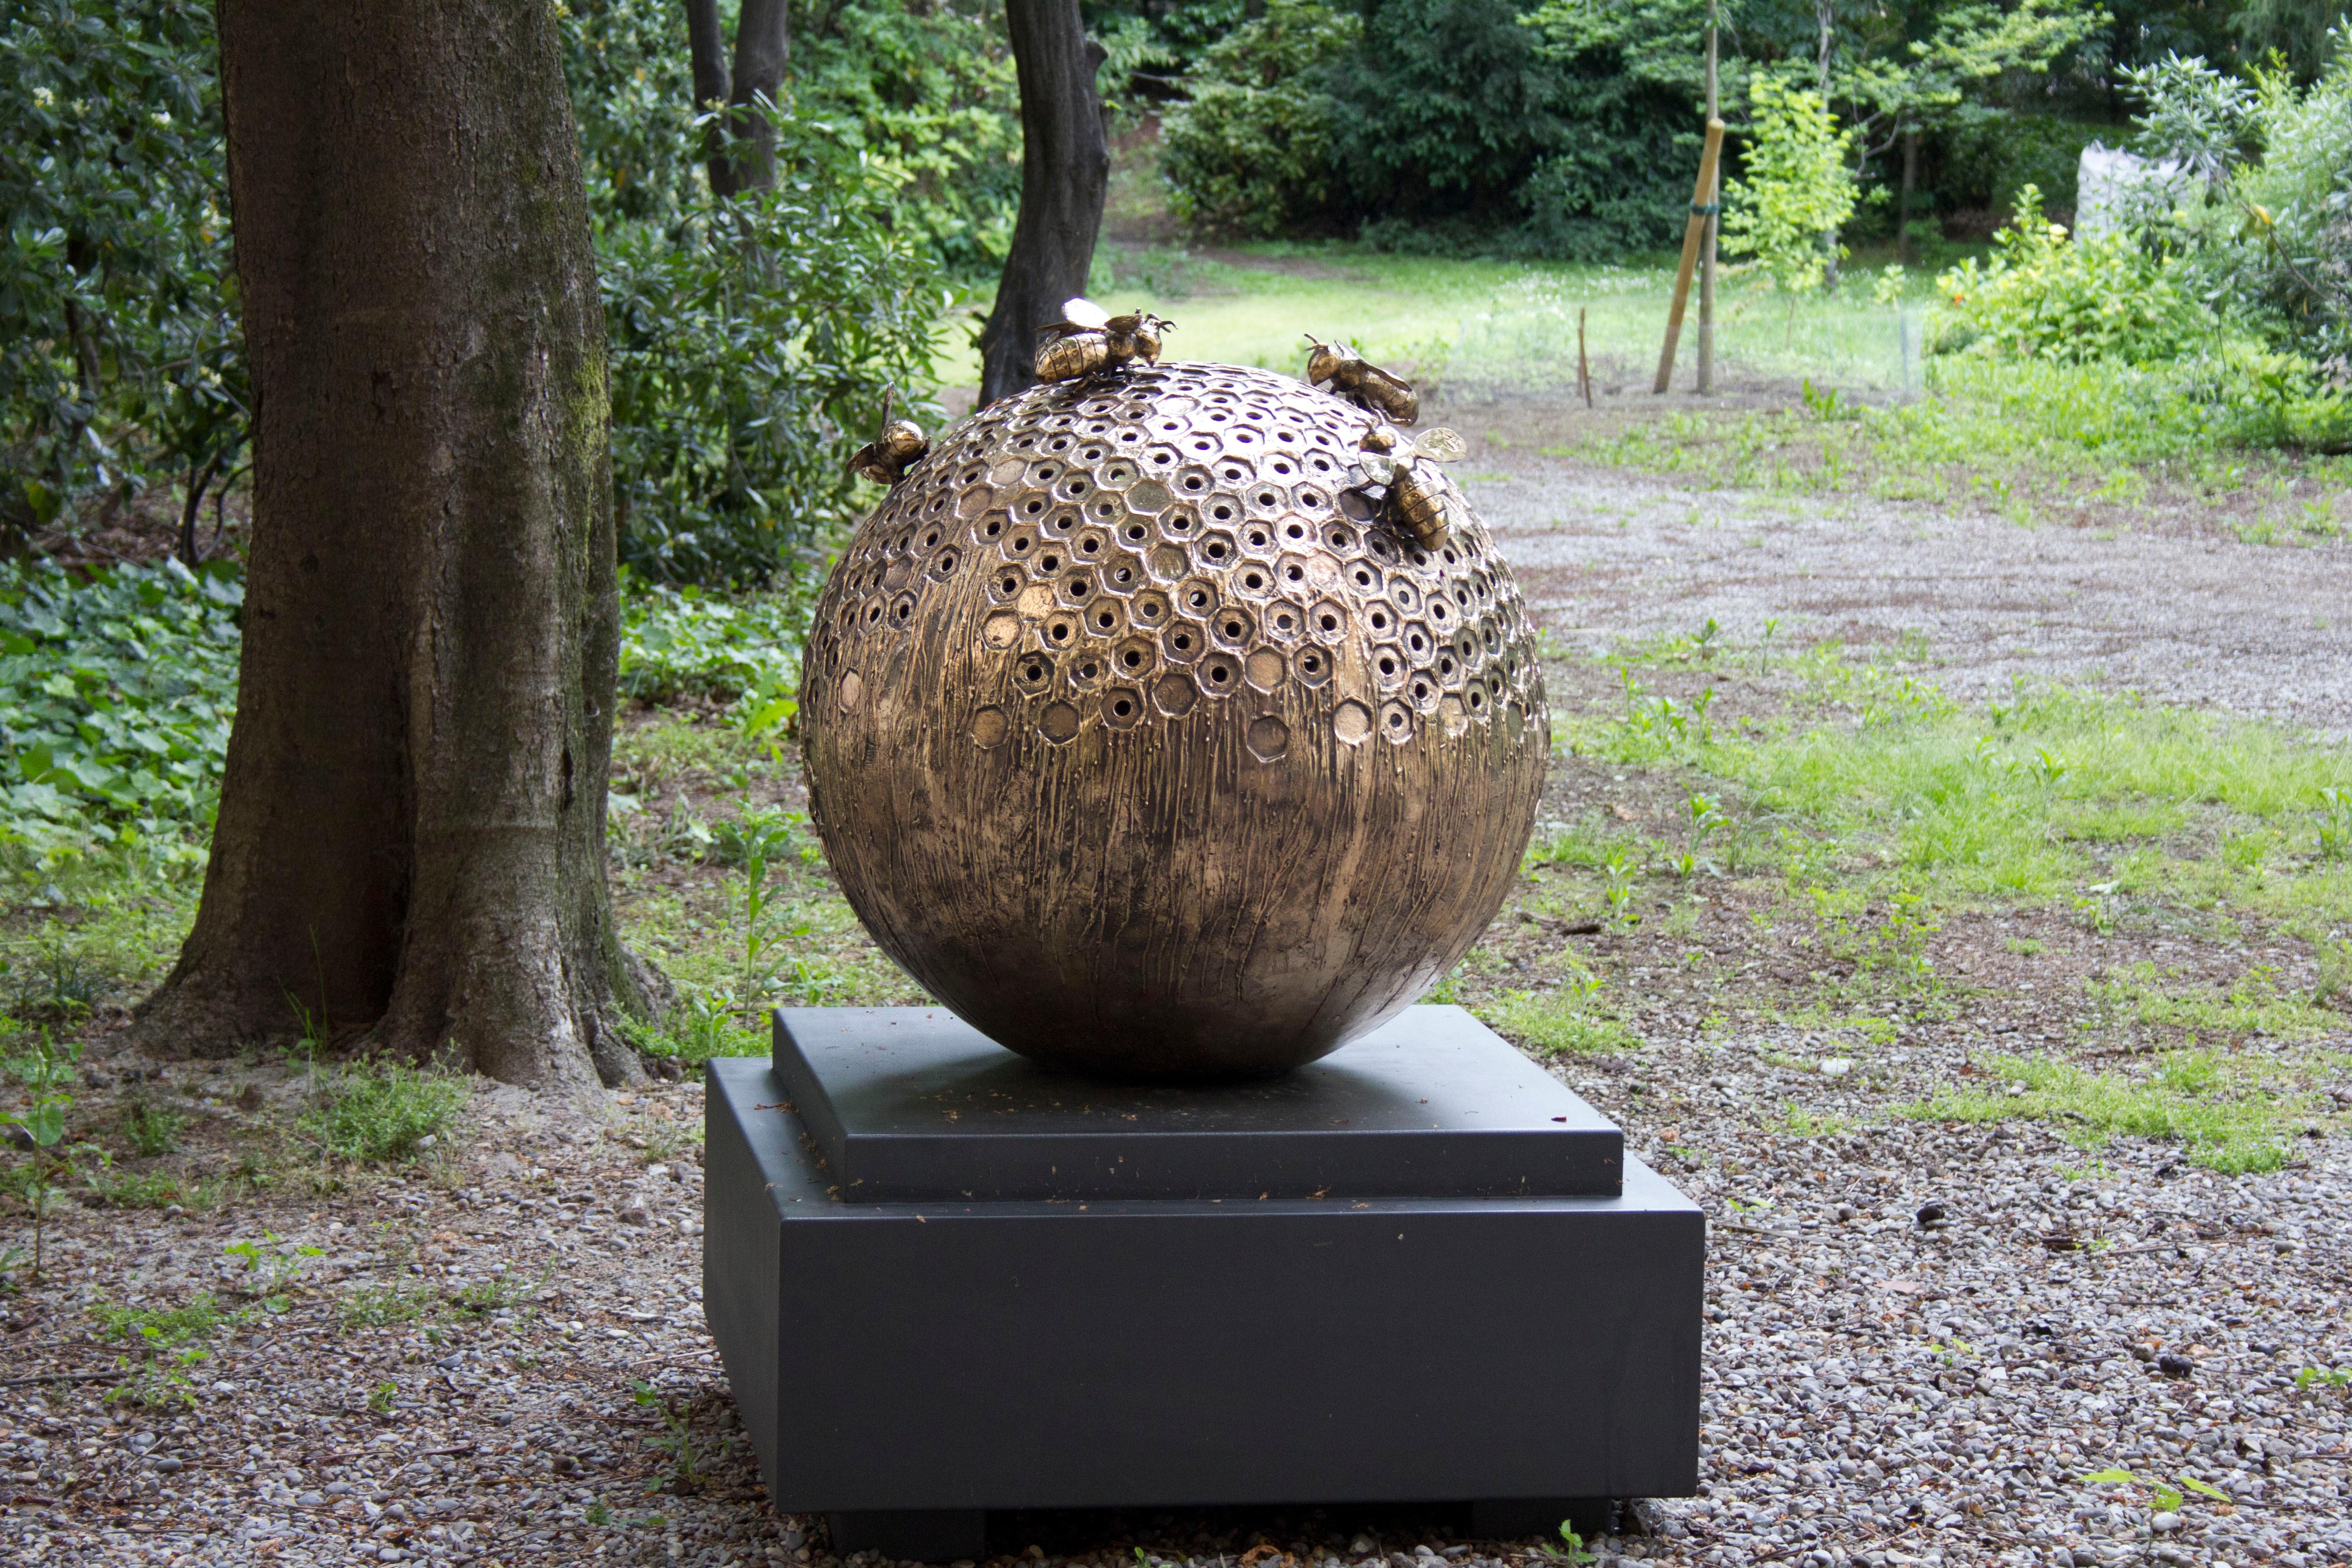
column 755, row 340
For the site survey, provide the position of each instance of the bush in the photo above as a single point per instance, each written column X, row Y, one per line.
column 382, row 1112
column 751, row 353
column 2045, row 297
column 1251, row 151
column 1797, row 193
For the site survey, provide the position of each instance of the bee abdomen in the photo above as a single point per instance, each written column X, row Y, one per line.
column 1072, row 355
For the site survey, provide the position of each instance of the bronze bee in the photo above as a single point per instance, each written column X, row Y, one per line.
column 1360, row 382
column 1415, row 503
column 885, row 458
column 1087, row 339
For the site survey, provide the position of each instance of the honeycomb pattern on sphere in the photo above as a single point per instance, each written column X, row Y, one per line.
column 1143, row 744
column 1181, row 532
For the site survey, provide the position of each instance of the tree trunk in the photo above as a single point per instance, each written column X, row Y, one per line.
column 411, row 835
column 742, row 149
column 1065, row 179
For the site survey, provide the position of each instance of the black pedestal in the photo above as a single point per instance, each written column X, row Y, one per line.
column 944, row 1280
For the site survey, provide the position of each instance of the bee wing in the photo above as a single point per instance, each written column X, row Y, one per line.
column 1379, row 468
column 1375, row 373
column 1442, row 446
column 1082, row 313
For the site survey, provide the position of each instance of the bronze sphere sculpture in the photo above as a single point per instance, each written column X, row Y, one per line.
column 1148, row 741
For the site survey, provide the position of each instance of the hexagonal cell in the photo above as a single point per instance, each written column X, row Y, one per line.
column 1075, row 586
column 1019, row 543
column 1422, row 691
column 989, row 727
column 1440, row 614
column 1049, row 560
column 1294, row 571
column 1006, row 471
column 1363, row 577
column 1133, row 658
column 1169, row 561
column 1269, row 738
column 1197, row 597
column 1266, row 502
column 1232, row 627
column 1058, row 723
column 1041, row 473
column 1221, row 674
column 1451, row 716
column 1222, row 510
column 1058, row 630
column 1283, row 619
column 1104, row 618
column 902, row 611
column 1340, row 537
column 1063, row 521
column 1148, row 609
column 1234, row 471
column 1216, row 549
column 1073, row 487
column 1147, row 497
column 1351, row 723
column 1263, row 669
column 1407, row 595
column 989, row 529
column 1448, row 668
column 1380, row 617
column 1088, row 671
column 1183, row 642
column 1180, row 521
column 1328, row 619
column 943, row 564
column 1388, row 667
column 1090, row 544
column 1029, row 506
column 1122, row 574
column 1118, row 473
column 1396, row 722
column 1419, row 645
column 1174, row 694
column 1134, row 531
column 1159, row 457
column 975, row 500
column 1192, row 482
column 1475, row 697
column 1105, row 508
column 1122, row 707
column 1466, row 646
column 1252, row 581
column 1032, row 672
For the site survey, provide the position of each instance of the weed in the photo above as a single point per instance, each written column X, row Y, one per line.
column 1558, row 1021
column 385, row 1113
column 381, row 1305
column 166, row 1345
column 694, row 1032
column 2192, row 1097
column 2335, row 980
column 383, row 1397
column 675, row 1438
column 42, row 1121
column 499, row 1293
column 152, row 1190
column 1798, row 1122
column 2311, row 1377
column 2162, row 1498
column 272, row 1268
column 598, row 1514
column 152, row 1129
column 2334, row 822
column 2137, row 994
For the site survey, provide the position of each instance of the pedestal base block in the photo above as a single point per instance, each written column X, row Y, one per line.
column 906, row 1365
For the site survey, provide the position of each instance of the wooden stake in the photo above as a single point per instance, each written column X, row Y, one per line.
column 1694, row 231
column 1583, row 368
column 1714, row 202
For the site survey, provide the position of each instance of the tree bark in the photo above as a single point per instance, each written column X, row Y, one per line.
column 742, row 145
column 410, row 837
column 1065, row 179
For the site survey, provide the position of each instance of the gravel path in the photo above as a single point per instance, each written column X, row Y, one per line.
column 2251, row 628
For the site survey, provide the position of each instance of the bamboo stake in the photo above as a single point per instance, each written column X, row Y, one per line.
column 1714, row 223
column 1583, row 367
column 1694, row 230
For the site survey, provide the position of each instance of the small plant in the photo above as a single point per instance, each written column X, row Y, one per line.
column 386, row 1112
column 382, row 1397
column 2311, row 1377
column 152, row 1129
column 276, row 1264
column 2335, row 971
column 2164, row 1499
column 675, row 1438
column 2335, row 824
column 166, row 1346
column 42, row 1121
column 1571, row 1549
column 598, row 1514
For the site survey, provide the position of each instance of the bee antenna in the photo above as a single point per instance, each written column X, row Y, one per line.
column 889, row 397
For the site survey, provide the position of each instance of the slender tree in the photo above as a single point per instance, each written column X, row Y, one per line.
column 1065, row 179
column 743, row 146
column 411, row 837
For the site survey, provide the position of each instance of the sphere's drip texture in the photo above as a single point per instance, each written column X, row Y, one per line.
column 1145, row 747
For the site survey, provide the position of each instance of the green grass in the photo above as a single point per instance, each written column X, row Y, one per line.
column 1555, row 1023
column 2222, row 1111
column 382, row 1112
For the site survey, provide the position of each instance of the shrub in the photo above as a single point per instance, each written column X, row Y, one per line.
column 1797, row 191
column 2045, row 297
column 1251, row 151
column 382, row 1112
column 751, row 353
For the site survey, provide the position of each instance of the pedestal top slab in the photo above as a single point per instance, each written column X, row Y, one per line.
column 913, row 1104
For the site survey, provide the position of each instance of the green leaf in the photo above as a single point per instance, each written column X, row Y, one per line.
column 2107, row 1477
column 2194, row 1485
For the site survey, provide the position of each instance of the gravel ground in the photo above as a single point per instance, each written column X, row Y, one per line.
column 1921, row 1338
column 2181, row 616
